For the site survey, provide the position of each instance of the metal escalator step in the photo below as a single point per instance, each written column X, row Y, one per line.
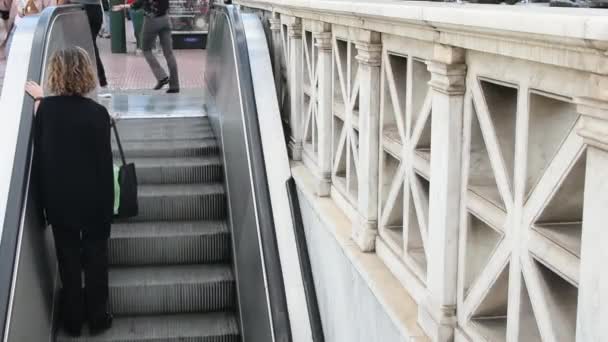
column 164, row 133
column 171, row 123
column 212, row 327
column 182, row 170
column 191, row 202
column 172, row 148
column 166, row 243
column 171, row 289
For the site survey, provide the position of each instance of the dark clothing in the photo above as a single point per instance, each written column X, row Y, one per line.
column 160, row 27
column 74, row 168
column 95, row 15
column 73, row 162
column 153, row 8
column 77, row 250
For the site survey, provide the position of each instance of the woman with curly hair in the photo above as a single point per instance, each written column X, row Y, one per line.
column 74, row 173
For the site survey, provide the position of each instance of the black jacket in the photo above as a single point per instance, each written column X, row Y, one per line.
column 73, row 162
column 156, row 8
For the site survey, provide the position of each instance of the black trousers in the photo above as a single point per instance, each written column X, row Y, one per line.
column 78, row 250
column 95, row 15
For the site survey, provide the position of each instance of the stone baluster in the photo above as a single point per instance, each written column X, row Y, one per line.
column 294, row 72
column 593, row 282
column 369, row 53
column 324, row 114
column 437, row 314
column 277, row 50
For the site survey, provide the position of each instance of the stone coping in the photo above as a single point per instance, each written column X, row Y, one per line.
column 396, row 301
column 586, row 24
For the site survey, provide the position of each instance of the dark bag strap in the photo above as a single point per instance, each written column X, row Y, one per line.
column 122, row 153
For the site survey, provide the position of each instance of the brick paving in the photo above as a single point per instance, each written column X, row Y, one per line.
column 130, row 71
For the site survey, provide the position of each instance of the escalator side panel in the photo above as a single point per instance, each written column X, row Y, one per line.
column 226, row 110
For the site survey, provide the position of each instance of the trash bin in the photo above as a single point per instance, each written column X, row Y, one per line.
column 117, row 29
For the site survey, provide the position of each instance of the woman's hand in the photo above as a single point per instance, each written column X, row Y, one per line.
column 34, row 89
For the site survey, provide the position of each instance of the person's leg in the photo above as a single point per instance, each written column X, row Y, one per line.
column 67, row 246
column 95, row 262
column 166, row 43
column 149, row 34
column 95, row 21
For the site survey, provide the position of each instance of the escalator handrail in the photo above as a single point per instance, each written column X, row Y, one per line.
column 19, row 181
column 276, row 288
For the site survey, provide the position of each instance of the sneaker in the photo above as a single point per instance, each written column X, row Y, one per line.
column 173, row 91
column 161, row 83
column 104, row 93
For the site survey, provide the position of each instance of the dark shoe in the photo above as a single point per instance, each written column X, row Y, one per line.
column 161, row 83
column 96, row 328
column 72, row 332
column 173, row 91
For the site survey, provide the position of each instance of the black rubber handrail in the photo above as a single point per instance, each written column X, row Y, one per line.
column 314, row 315
column 276, row 285
column 17, row 194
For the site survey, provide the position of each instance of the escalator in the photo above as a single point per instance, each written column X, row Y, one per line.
column 217, row 252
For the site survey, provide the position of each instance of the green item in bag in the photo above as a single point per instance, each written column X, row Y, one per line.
column 116, row 190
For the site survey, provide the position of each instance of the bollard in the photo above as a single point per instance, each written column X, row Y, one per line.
column 117, row 29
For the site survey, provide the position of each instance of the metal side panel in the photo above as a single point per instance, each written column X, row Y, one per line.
column 28, row 268
column 232, row 110
column 278, row 174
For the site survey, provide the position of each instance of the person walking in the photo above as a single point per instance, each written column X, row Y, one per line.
column 18, row 10
column 74, row 172
column 94, row 12
column 157, row 24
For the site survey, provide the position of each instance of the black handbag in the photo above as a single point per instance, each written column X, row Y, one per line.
column 127, row 180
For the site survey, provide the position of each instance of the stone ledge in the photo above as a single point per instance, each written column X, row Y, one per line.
column 587, row 24
column 397, row 303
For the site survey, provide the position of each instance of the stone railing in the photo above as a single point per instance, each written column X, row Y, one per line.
column 468, row 144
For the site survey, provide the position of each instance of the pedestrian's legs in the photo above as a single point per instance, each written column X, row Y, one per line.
column 166, row 42
column 95, row 262
column 94, row 14
column 67, row 245
column 106, row 24
column 149, row 33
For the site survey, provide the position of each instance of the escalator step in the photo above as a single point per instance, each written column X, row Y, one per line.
column 163, row 243
column 184, row 170
column 164, row 133
column 212, row 327
column 171, row 289
column 181, row 202
column 172, row 148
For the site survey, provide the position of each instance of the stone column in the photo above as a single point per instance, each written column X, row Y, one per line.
column 593, row 282
column 369, row 56
column 324, row 114
column 277, row 50
column 294, row 66
column 437, row 314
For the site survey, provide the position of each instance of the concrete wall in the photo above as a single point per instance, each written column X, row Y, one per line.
column 349, row 309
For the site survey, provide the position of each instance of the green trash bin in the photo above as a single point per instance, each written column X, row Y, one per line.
column 137, row 18
column 117, row 28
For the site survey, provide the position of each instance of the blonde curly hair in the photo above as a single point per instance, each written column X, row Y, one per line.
column 71, row 72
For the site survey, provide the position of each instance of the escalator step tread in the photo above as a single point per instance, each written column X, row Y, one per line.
column 149, row 162
column 168, row 229
column 168, row 243
column 211, row 327
column 179, row 190
column 169, row 275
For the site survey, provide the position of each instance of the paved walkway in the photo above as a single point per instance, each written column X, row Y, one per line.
column 130, row 71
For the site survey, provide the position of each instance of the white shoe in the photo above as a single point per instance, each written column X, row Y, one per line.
column 103, row 93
